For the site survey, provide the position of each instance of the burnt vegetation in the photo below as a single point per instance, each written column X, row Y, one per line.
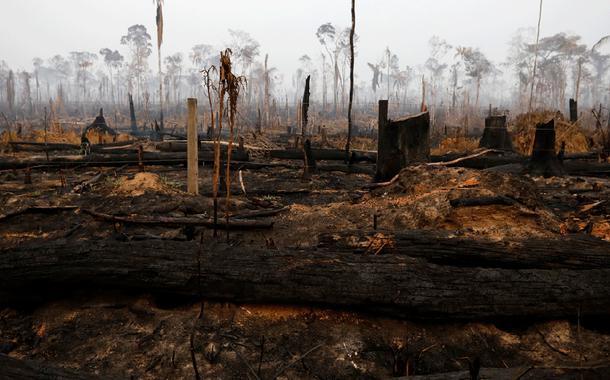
column 214, row 217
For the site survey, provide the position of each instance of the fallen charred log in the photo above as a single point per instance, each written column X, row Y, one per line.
column 148, row 158
column 424, row 275
column 179, row 222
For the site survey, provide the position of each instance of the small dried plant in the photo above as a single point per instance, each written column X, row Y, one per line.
column 230, row 85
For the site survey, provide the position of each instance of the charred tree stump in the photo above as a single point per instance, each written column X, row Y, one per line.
column 401, row 142
column 495, row 135
column 573, row 111
column 544, row 160
column 132, row 115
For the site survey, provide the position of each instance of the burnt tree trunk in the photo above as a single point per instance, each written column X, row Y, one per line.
column 495, row 135
column 573, row 111
column 132, row 115
column 305, row 109
column 401, row 142
column 544, row 160
column 310, row 161
column 419, row 274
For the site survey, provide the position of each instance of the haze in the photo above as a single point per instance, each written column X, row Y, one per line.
column 286, row 29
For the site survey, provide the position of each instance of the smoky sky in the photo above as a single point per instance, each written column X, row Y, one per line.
column 286, row 28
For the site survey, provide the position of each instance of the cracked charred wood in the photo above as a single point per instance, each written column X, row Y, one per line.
column 16, row 369
column 425, row 276
column 101, row 160
column 544, row 160
column 401, row 142
column 178, row 222
column 495, row 135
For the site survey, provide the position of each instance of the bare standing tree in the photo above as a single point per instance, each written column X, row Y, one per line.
column 159, row 22
column 82, row 60
column 138, row 40
column 476, row 65
column 351, row 82
column 535, row 58
column 113, row 60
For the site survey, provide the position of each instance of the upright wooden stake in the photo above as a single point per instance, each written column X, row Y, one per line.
column 192, row 149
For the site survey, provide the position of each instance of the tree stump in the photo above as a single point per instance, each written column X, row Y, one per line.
column 495, row 135
column 401, row 142
column 544, row 160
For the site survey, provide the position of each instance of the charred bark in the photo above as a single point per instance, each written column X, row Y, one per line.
column 420, row 275
column 495, row 135
column 544, row 160
column 401, row 142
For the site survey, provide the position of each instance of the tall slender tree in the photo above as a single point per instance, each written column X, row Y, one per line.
column 351, row 82
column 159, row 21
column 535, row 58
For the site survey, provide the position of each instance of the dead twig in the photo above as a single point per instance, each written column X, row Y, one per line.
column 295, row 360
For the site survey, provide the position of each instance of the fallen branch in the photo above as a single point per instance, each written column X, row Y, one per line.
column 177, row 222
column 260, row 213
column 461, row 159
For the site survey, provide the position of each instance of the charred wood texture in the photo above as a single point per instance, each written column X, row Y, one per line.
column 419, row 274
column 401, row 142
column 132, row 115
column 544, row 159
column 310, row 161
column 495, row 135
column 305, row 108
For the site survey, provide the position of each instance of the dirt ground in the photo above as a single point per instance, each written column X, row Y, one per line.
column 142, row 337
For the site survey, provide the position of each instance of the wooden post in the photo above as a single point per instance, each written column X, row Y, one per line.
column 573, row 111
column 192, row 149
